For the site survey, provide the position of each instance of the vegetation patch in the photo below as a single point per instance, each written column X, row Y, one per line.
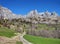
column 6, row 32
column 19, row 42
column 41, row 40
column 45, row 26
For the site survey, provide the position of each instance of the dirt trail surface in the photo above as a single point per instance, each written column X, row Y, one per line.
column 24, row 40
column 6, row 40
column 12, row 40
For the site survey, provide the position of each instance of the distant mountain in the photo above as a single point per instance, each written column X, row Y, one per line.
column 41, row 14
column 32, row 16
column 7, row 14
column 42, row 17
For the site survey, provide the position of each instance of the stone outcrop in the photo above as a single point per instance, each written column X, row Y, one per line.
column 33, row 16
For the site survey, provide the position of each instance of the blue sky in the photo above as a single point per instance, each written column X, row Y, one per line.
column 24, row 6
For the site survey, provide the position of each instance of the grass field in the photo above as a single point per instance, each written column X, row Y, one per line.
column 6, row 32
column 41, row 40
column 18, row 42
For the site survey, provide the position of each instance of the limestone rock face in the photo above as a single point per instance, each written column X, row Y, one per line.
column 6, row 13
column 42, row 17
column 33, row 16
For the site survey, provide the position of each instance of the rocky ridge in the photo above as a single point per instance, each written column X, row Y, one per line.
column 33, row 16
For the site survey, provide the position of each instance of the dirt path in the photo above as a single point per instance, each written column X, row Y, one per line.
column 19, row 37
column 6, row 40
column 24, row 40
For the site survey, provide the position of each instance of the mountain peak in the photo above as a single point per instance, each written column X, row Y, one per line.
column 8, row 14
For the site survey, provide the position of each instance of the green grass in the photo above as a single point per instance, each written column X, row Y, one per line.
column 6, row 32
column 41, row 40
column 18, row 42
